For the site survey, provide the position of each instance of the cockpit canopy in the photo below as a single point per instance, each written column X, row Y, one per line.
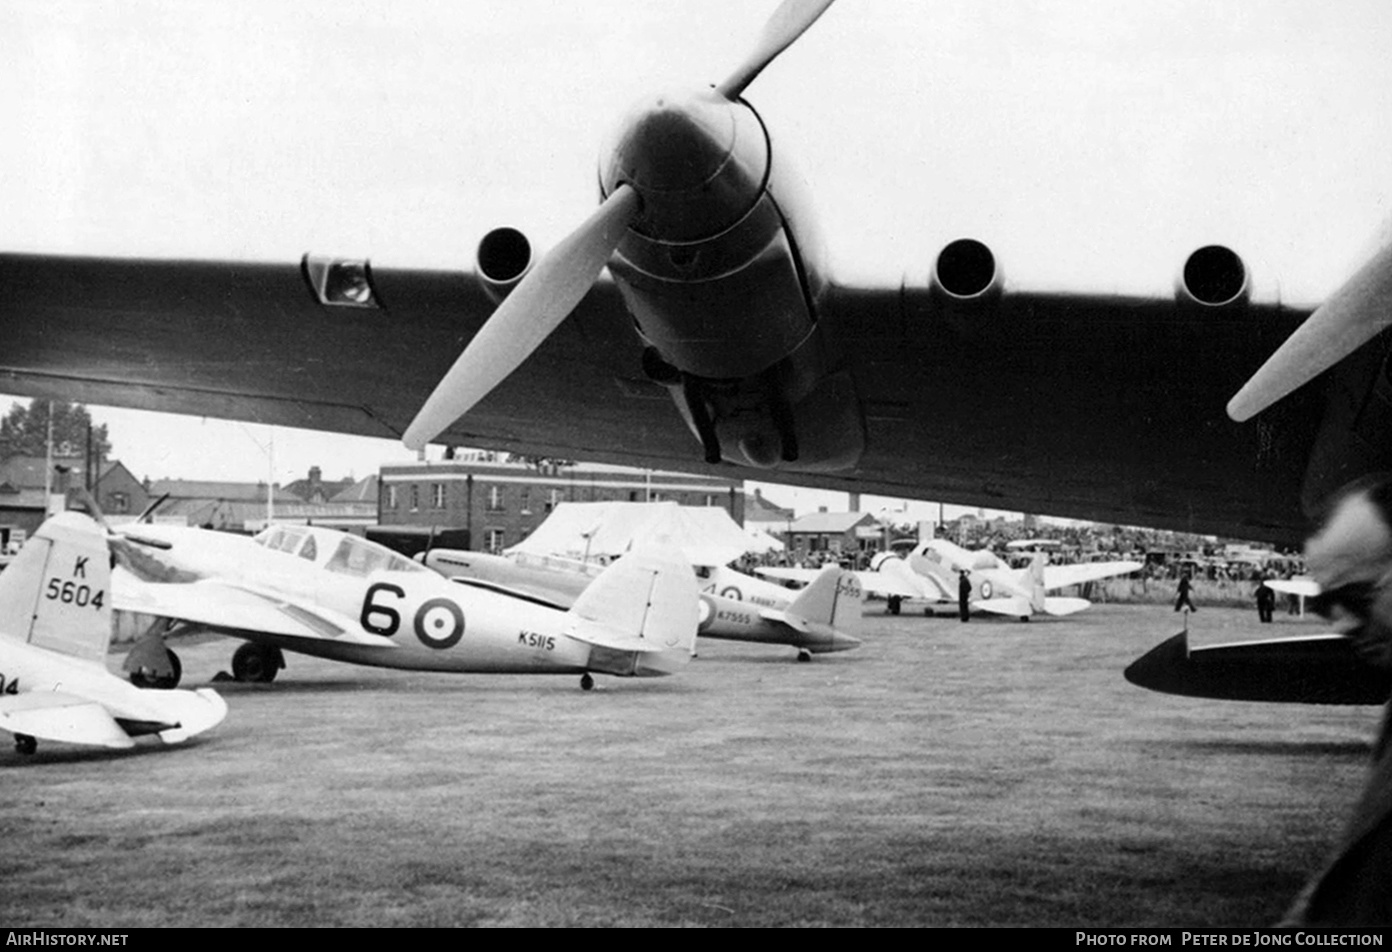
column 335, row 551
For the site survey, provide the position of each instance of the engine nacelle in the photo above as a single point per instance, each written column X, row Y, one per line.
column 1213, row 276
column 966, row 274
column 503, row 259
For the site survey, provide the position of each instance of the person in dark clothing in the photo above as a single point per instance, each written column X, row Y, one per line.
column 1182, row 599
column 1266, row 601
column 964, row 596
column 1351, row 559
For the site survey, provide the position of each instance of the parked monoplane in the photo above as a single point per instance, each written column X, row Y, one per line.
column 330, row 594
column 55, row 627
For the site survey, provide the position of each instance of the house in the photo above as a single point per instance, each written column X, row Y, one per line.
column 837, row 534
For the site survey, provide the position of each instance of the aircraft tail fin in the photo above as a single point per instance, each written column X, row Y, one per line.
column 56, row 594
column 833, row 598
column 825, row 611
column 640, row 615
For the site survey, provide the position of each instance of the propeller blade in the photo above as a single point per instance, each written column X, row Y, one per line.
column 789, row 21
column 1354, row 315
column 526, row 317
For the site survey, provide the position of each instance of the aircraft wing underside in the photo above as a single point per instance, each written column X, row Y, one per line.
column 1093, row 406
column 217, row 606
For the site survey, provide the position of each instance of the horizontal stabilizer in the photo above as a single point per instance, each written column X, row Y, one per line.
column 1306, row 587
column 1057, row 605
column 601, row 635
column 62, row 717
column 1017, row 605
column 196, row 712
column 1315, row 669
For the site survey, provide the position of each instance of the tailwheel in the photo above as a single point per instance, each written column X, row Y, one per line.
column 144, row 678
column 586, row 682
column 25, row 744
column 257, row 663
column 804, row 655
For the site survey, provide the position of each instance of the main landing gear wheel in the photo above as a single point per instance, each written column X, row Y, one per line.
column 586, row 682
column 166, row 682
column 25, row 744
column 896, row 602
column 257, row 663
column 804, row 655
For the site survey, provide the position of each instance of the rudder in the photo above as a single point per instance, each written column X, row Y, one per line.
column 833, row 598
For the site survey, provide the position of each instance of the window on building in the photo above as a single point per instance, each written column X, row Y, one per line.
column 555, row 498
column 493, row 541
column 391, row 497
column 495, row 498
column 437, row 496
column 415, row 497
column 710, row 500
column 526, row 501
column 118, row 502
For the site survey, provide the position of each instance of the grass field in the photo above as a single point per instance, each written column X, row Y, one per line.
column 996, row 773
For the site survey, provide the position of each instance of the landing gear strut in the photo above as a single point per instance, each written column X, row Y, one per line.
column 25, row 744
column 257, row 663
column 586, row 682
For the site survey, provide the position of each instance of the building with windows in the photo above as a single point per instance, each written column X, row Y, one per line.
column 834, row 535
column 499, row 501
column 24, row 479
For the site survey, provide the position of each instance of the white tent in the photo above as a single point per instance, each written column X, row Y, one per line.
column 706, row 535
column 761, row 540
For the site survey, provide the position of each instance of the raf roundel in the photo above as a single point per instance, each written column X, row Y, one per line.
column 440, row 623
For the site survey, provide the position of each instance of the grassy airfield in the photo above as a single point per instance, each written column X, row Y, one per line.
column 995, row 773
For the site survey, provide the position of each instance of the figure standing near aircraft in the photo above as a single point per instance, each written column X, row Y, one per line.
column 1351, row 559
column 1182, row 599
column 1266, row 601
column 964, row 590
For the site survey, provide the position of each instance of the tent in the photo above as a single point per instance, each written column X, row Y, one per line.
column 706, row 535
column 761, row 540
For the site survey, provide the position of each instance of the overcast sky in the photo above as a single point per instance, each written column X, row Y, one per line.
column 1092, row 144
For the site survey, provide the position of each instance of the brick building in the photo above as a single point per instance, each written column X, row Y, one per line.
column 499, row 502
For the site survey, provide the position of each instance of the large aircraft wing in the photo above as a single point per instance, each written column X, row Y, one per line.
column 221, row 607
column 1309, row 669
column 1033, row 401
column 892, row 578
column 1061, row 576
